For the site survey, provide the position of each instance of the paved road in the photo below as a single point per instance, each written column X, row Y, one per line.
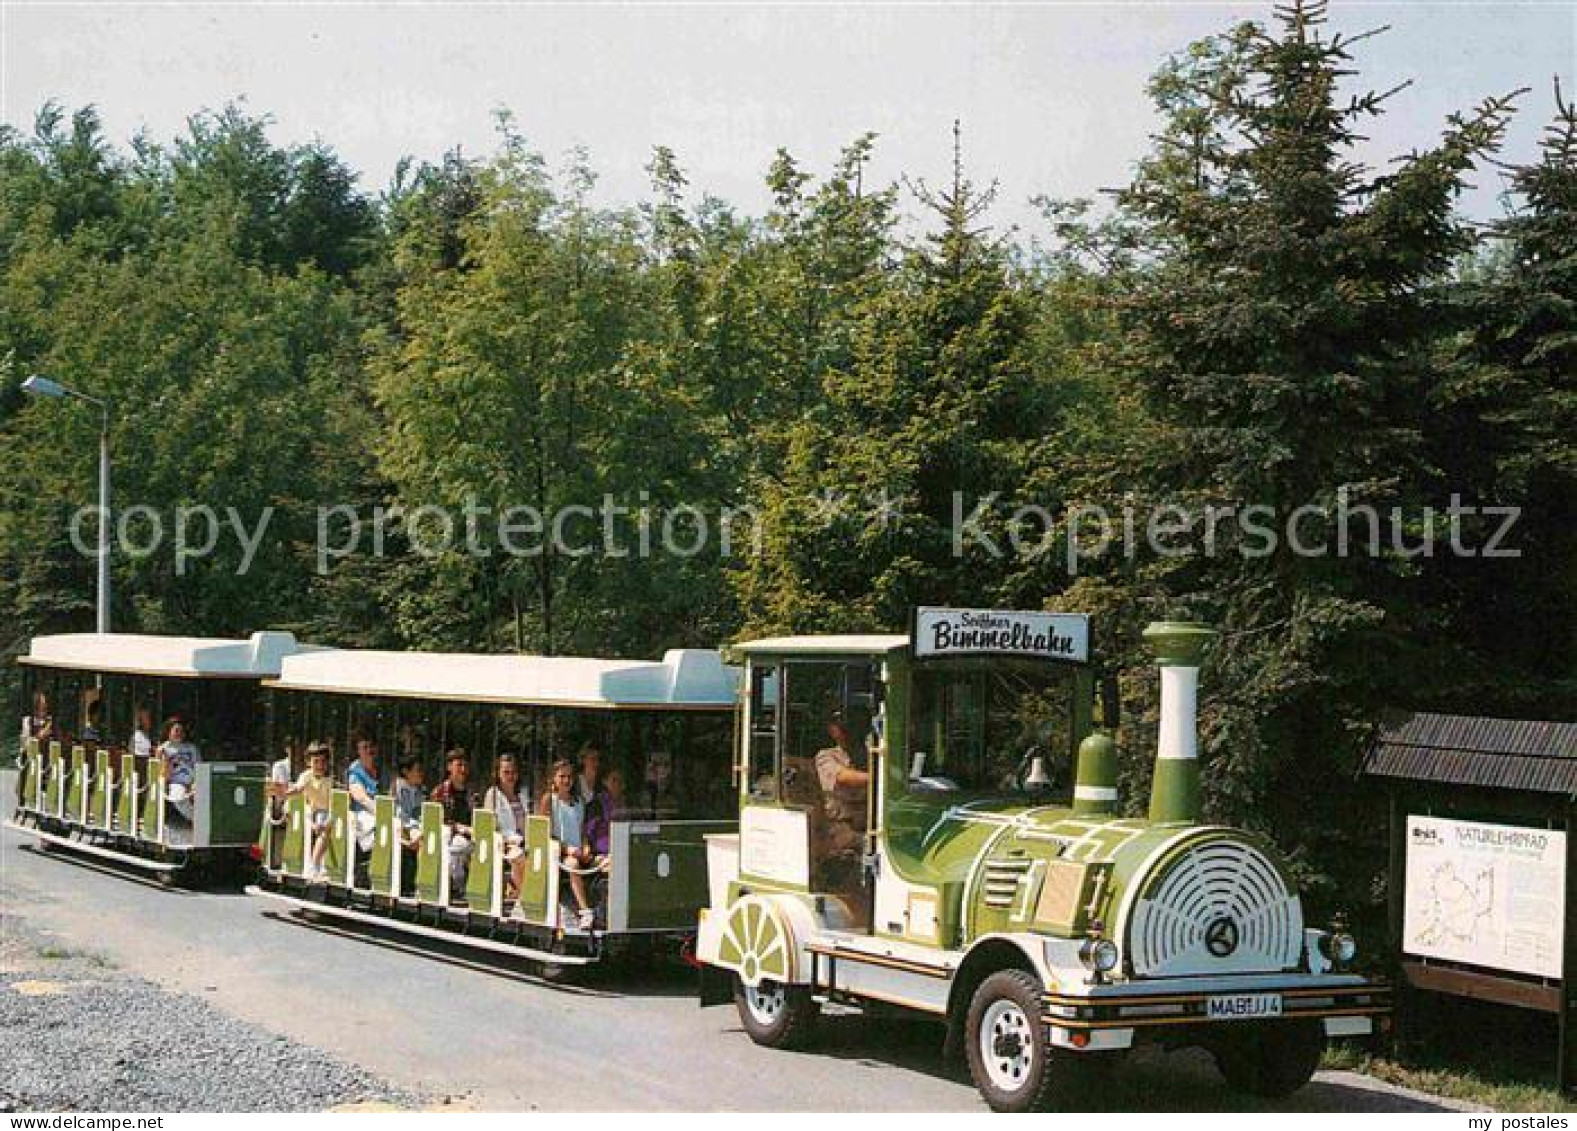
column 448, row 1025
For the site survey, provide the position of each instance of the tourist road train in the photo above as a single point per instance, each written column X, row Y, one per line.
column 926, row 821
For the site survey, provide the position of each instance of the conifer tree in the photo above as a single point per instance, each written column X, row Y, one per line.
column 1282, row 339
column 935, row 409
column 1508, row 438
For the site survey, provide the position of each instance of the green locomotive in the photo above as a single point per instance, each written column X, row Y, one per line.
column 904, row 842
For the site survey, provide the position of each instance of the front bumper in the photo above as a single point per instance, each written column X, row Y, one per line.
column 1109, row 1016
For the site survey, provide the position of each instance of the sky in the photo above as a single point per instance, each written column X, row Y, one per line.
column 1050, row 95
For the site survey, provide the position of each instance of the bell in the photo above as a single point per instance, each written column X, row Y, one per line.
column 1038, row 778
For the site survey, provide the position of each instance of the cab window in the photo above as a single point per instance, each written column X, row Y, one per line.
column 762, row 779
column 975, row 724
column 794, row 707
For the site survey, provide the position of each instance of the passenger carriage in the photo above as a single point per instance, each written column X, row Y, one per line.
column 983, row 886
column 86, row 784
column 665, row 724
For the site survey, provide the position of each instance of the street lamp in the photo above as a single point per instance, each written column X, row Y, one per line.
column 39, row 386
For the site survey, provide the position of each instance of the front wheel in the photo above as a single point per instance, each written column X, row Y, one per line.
column 1010, row 1054
column 775, row 1015
column 1271, row 1060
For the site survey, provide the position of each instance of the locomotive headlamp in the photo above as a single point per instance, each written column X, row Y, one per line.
column 1338, row 945
column 1098, row 953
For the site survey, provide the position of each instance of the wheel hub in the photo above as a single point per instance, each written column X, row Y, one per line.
column 1007, row 1047
column 765, row 1001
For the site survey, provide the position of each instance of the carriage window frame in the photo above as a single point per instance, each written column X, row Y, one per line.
column 764, row 735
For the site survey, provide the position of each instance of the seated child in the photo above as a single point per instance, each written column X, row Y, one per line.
column 316, row 786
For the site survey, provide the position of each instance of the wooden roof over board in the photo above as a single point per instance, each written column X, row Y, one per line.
column 1524, row 755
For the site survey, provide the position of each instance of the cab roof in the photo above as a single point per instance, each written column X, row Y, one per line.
column 693, row 679
column 260, row 656
column 864, row 645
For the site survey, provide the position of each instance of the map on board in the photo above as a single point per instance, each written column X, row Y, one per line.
column 1490, row 895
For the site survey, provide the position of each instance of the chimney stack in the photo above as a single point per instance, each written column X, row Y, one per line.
column 1179, row 645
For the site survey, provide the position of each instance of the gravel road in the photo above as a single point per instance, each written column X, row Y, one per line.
column 80, row 1035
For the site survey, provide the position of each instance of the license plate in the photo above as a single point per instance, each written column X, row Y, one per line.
column 1242, row 1007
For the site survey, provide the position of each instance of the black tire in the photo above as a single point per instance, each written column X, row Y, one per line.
column 1270, row 1060
column 1010, row 1056
column 775, row 1015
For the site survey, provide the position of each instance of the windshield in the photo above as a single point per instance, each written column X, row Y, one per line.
column 974, row 722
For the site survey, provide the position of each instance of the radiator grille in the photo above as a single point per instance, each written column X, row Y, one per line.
column 1002, row 879
column 1220, row 907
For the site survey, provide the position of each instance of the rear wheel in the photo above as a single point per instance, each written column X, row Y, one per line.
column 1270, row 1060
column 775, row 1015
column 1010, row 1053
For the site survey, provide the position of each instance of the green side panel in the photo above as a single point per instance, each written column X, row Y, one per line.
column 237, row 792
column 385, row 845
column 126, row 797
column 152, row 799
column 667, row 872
column 483, row 875
column 54, row 780
column 27, row 790
column 535, row 883
column 101, row 800
column 270, row 838
column 337, row 858
column 76, row 783
column 267, row 848
column 294, row 858
column 430, row 861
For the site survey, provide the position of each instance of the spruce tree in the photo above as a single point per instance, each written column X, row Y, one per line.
column 1282, row 337
column 1509, row 439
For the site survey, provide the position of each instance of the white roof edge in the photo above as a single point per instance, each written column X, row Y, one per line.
column 259, row 656
column 824, row 645
column 695, row 678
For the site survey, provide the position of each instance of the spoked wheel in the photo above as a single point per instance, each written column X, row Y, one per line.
column 1270, row 1060
column 1010, row 1055
column 775, row 1015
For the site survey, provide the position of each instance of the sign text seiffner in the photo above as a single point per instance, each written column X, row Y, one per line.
column 1055, row 636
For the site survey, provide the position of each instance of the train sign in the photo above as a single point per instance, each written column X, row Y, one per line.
column 993, row 632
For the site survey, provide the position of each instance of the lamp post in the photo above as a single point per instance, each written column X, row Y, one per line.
column 39, row 386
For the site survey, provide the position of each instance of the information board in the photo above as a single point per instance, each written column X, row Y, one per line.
column 1488, row 895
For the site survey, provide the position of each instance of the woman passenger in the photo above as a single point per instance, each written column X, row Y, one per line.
column 142, row 735
column 41, row 724
column 180, row 768
column 504, row 800
column 605, row 808
column 563, row 806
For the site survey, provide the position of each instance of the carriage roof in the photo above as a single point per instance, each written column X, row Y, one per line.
column 684, row 679
column 865, row 644
column 190, row 657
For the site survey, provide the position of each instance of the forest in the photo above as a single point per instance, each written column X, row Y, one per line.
column 1257, row 318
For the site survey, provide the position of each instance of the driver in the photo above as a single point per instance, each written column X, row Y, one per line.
column 844, row 783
